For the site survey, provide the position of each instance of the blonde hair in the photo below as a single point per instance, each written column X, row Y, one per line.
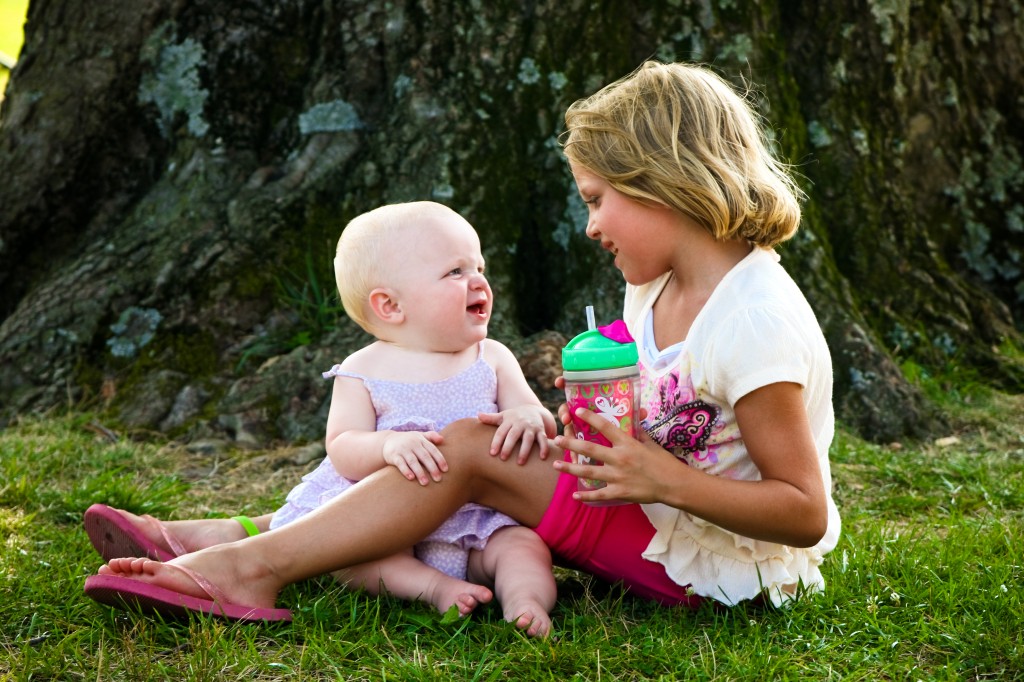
column 680, row 135
column 361, row 263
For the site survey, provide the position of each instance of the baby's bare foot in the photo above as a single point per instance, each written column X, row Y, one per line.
column 529, row 616
column 445, row 591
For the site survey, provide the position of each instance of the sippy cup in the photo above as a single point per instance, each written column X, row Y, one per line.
column 601, row 374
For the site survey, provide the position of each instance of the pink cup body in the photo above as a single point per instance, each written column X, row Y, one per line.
column 613, row 398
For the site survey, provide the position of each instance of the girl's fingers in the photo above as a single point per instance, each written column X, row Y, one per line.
column 587, row 471
column 598, row 495
column 606, row 428
column 563, row 415
column 594, row 451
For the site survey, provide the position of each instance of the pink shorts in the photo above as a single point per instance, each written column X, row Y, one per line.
column 608, row 542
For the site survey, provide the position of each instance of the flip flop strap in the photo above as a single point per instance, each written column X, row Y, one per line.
column 212, row 590
column 171, row 541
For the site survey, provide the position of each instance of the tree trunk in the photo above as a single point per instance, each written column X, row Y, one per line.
column 176, row 175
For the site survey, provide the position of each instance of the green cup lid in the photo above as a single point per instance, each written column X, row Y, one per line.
column 591, row 350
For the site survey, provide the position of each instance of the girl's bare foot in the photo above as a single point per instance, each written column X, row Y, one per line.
column 444, row 591
column 240, row 583
column 193, row 535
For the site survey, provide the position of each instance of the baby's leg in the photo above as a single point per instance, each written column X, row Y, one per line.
column 406, row 577
column 518, row 563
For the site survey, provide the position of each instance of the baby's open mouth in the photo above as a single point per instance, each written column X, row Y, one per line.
column 478, row 309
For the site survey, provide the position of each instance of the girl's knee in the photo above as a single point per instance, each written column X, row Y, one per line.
column 466, row 429
column 466, row 439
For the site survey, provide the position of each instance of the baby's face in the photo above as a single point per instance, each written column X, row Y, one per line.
column 441, row 285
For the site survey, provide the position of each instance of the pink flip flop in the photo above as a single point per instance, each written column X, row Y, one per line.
column 127, row 593
column 114, row 536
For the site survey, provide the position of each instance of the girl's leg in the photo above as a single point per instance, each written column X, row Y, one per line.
column 378, row 517
column 195, row 534
column 518, row 564
column 406, row 577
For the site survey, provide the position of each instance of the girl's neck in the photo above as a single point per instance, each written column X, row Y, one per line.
column 702, row 265
column 695, row 275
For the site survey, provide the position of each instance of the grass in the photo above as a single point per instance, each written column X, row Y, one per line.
column 925, row 583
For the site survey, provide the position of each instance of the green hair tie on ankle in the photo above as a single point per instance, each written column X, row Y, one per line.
column 247, row 524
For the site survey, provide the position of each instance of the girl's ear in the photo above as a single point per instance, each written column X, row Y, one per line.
column 384, row 304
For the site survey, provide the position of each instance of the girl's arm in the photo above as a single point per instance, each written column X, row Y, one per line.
column 788, row 505
column 357, row 449
column 521, row 418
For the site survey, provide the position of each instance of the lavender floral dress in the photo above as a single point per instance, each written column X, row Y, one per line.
column 417, row 407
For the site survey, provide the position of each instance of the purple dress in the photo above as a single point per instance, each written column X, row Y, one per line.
column 417, row 407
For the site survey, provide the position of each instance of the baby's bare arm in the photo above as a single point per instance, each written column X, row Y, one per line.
column 357, row 449
column 521, row 420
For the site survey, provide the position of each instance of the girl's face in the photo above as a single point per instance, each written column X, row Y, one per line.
column 642, row 237
column 440, row 284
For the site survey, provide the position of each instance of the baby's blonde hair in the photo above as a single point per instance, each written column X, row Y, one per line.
column 362, row 263
column 680, row 135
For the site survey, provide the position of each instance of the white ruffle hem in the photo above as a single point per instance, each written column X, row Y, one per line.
column 727, row 567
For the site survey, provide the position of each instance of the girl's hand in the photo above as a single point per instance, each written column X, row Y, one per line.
column 415, row 454
column 632, row 469
column 563, row 410
column 527, row 425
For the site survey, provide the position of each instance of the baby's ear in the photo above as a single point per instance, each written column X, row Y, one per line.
column 385, row 306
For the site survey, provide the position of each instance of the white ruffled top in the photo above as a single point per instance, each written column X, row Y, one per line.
column 755, row 329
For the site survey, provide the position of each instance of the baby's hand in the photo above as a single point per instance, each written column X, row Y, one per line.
column 526, row 425
column 415, row 454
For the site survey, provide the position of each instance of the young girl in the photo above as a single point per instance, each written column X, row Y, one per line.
column 731, row 480
column 428, row 304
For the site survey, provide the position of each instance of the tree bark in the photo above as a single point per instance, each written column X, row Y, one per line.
column 176, row 175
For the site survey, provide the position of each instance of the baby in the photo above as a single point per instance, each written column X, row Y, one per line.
column 412, row 275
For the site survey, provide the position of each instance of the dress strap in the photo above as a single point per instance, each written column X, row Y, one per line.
column 337, row 371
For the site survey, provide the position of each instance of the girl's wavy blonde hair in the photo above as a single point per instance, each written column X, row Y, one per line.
column 680, row 135
column 361, row 263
